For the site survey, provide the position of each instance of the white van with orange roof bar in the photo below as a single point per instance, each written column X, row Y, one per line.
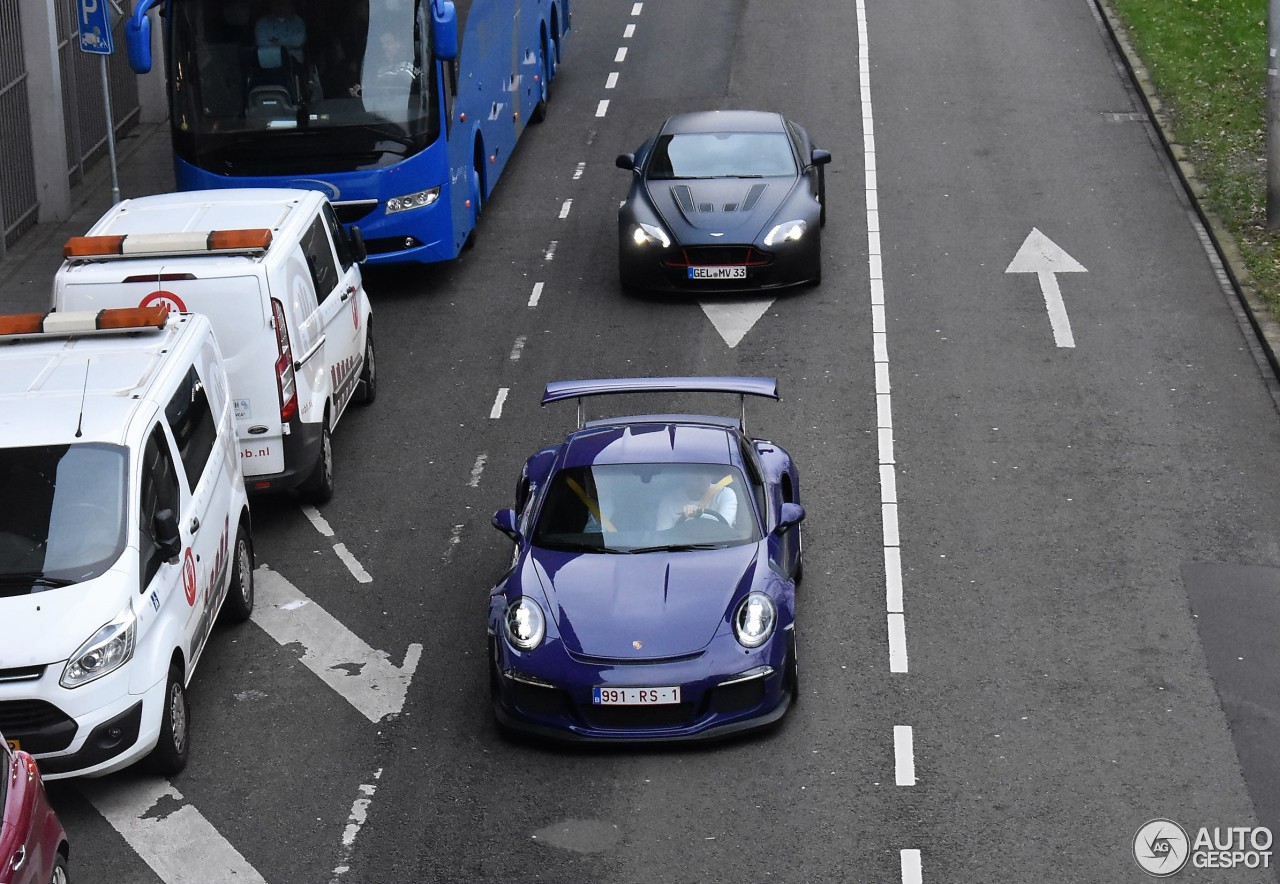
column 279, row 278
column 124, row 533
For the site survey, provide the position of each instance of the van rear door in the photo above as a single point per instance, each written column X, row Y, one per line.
column 240, row 315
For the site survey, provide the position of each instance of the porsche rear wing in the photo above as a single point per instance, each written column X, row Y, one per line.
column 558, row 391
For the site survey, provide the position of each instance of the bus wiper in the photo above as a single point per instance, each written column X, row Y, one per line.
column 390, row 134
column 33, row 578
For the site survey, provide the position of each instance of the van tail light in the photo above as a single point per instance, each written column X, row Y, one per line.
column 286, row 383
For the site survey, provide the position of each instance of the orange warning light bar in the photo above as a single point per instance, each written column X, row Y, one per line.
column 137, row 245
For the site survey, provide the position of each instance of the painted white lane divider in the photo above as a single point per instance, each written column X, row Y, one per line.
column 364, row 677
column 904, row 756
column 1045, row 258
column 477, row 470
column 536, row 295
column 344, row 555
column 499, row 400
column 602, row 108
column 911, row 870
column 621, row 56
column 635, row 9
column 611, row 81
column 517, row 348
column 628, row 32
column 355, row 822
column 578, row 170
column 170, row 835
column 550, row 253
column 564, row 209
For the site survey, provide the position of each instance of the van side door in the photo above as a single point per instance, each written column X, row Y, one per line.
column 342, row 305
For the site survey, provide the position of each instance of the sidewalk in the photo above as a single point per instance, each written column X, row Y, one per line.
column 144, row 163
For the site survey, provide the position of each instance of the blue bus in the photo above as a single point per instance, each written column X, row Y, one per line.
column 404, row 112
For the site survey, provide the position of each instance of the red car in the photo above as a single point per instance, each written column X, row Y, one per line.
column 33, row 844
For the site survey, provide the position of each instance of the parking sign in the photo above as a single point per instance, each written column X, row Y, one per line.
column 95, row 27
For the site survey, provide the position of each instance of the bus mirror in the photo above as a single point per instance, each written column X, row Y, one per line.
column 359, row 252
column 446, row 28
column 137, row 35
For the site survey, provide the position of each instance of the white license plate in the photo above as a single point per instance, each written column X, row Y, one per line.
column 718, row 272
column 635, row 696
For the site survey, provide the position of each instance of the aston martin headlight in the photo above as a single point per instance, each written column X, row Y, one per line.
column 650, row 235
column 525, row 624
column 412, row 200
column 791, row 231
column 106, row 651
column 754, row 620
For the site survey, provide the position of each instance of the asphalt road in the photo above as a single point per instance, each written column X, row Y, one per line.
column 1053, row 508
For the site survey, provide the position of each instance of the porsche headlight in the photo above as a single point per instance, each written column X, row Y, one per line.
column 412, row 200
column 110, row 648
column 650, row 235
column 754, row 620
column 525, row 624
column 791, row 231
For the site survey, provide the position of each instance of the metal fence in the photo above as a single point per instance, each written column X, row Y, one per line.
column 83, row 113
column 17, row 167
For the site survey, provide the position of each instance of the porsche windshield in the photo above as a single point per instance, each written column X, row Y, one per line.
column 64, row 515
column 722, row 155
column 625, row 508
column 345, row 84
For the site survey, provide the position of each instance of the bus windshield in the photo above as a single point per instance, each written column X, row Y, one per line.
column 277, row 87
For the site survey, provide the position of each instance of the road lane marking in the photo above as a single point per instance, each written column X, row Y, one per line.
column 496, row 411
column 904, row 761
column 517, row 348
column 353, row 564
column 602, row 108
column 474, row 481
column 355, row 822
column 635, row 10
column 564, row 209
column 897, row 643
column 733, row 319
column 1046, row 259
column 536, row 295
column 911, row 871
column 628, row 31
column 550, row 253
column 892, row 580
column 611, row 82
column 169, row 834
column 621, row 56
column 455, row 538
column 577, row 172
column 364, row 677
column 313, row 516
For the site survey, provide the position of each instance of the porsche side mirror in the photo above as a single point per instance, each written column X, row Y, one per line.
column 626, row 161
column 792, row 514
column 820, row 157
column 505, row 521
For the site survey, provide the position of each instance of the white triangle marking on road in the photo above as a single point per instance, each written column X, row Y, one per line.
column 1039, row 254
column 733, row 319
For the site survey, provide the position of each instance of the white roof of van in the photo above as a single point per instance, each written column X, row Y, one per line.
column 201, row 210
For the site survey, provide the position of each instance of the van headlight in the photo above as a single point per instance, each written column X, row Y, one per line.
column 791, row 231
column 650, row 235
column 110, row 648
column 525, row 624
column 412, row 200
column 754, row 620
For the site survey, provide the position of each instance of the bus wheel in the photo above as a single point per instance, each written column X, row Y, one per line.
column 540, row 109
column 477, row 203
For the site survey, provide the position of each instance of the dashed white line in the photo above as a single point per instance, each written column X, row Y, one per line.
column 355, row 821
column 628, row 31
column 635, row 9
column 536, row 295
column 353, row 565
column 911, row 871
column 455, row 538
column 313, row 515
column 564, row 209
column 904, row 759
column 477, row 470
column 602, row 108
column 621, row 56
column 496, row 411
column 897, row 643
column 550, row 254
column 611, row 81
column 892, row 580
column 516, row 348
column 577, row 173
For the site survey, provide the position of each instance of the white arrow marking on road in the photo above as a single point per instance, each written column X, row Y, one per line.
column 171, row 836
column 733, row 319
column 1043, row 257
column 363, row 676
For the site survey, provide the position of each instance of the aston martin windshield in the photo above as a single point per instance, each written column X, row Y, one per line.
column 646, row 508
column 722, row 155
column 64, row 515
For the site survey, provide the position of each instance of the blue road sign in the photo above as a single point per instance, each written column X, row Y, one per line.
column 95, row 27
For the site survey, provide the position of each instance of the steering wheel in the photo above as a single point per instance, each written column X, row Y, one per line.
column 707, row 514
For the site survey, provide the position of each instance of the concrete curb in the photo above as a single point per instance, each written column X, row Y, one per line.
column 1264, row 324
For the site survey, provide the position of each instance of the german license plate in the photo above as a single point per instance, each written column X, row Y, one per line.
column 726, row 272
column 14, row 745
column 635, row 696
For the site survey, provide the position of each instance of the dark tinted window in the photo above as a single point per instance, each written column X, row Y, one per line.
column 159, row 492
column 722, row 155
column 340, row 240
column 193, row 426
column 315, row 247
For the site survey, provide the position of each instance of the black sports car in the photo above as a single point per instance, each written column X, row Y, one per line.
column 723, row 201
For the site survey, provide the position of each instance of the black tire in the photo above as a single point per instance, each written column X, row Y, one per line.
column 319, row 488
column 822, row 196
column 367, row 386
column 798, row 575
column 239, row 604
column 60, row 874
column 540, row 109
column 793, row 669
column 470, row 242
column 169, row 756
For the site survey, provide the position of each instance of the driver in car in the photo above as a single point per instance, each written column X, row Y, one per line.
column 699, row 497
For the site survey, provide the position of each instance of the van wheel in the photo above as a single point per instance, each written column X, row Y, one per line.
column 169, row 756
column 319, row 488
column 239, row 603
column 367, row 388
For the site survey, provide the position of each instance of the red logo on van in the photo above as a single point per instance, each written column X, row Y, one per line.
column 189, row 577
column 160, row 296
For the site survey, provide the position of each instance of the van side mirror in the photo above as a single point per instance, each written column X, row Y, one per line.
column 792, row 514
column 505, row 521
column 168, row 538
column 359, row 252
column 445, row 20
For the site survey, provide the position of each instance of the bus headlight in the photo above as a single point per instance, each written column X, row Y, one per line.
column 412, row 200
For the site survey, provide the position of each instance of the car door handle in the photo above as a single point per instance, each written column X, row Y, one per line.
column 19, row 858
column 195, row 524
column 351, row 290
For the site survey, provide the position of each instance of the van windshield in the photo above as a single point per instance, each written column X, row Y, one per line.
column 63, row 521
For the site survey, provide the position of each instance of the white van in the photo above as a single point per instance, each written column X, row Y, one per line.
column 124, row 532
column 279, row 278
